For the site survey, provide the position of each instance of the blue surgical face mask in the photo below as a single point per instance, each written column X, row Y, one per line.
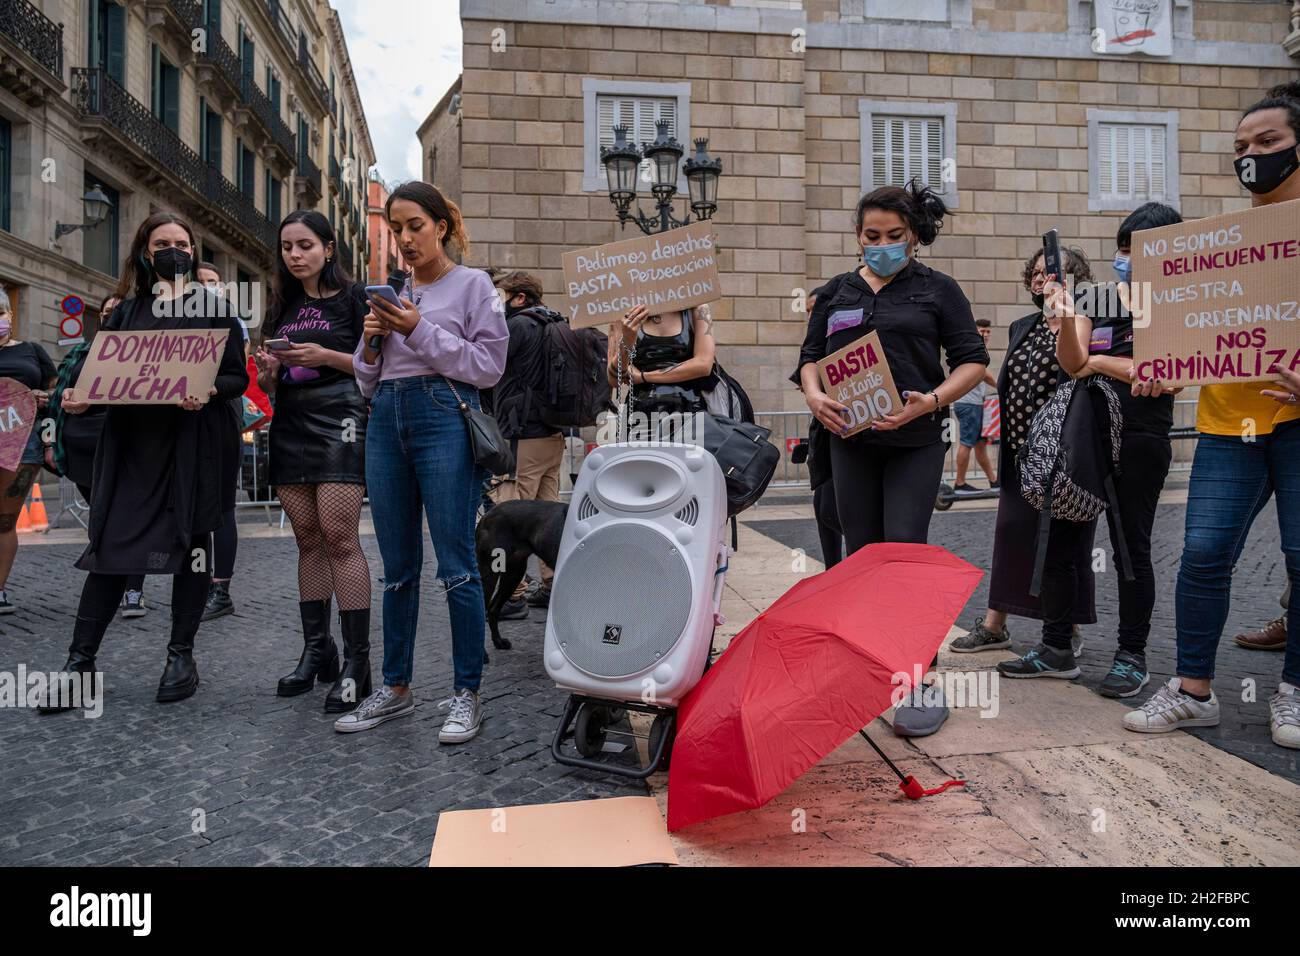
column 1123, row 267
column 884, row 261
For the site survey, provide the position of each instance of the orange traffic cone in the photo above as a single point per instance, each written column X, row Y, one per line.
column 40, row 522
column 24, row 521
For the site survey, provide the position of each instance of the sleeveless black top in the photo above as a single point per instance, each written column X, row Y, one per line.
column 658, row 352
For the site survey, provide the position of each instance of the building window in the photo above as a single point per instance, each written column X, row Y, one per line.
column 272, row 186
column 6, row 173
column 1132, row 159
column 212, row 14
column 164, row 90
column 636, row 105
column 304, row 142
column 246, row 169
column 107, row 40
column 905, row 141
column 210, row 134
column 99, row 243
column 273, row 90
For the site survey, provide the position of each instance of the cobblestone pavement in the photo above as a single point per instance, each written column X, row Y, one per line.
column 271, row 782
column 268, row 777
column 1257, row 585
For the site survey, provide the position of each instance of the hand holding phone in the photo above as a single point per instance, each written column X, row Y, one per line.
column 1052, row 266
column 383, row 292
column 278, row 345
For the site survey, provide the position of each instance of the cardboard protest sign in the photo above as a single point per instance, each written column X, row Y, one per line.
column 17, row 416
column 151, row 368
column 1216, row 300
column 666, row 272
column 858, row 376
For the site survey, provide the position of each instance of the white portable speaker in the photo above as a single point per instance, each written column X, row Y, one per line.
column 639, row 575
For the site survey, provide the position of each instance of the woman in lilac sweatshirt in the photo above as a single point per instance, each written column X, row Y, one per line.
column 448, row 338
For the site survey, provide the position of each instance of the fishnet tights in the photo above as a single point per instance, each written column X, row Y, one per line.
column 330, row 559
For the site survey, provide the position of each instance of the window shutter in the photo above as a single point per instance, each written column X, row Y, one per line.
column 1131, row 161
column 115, row 42
column 639, row 115
column 905, row 148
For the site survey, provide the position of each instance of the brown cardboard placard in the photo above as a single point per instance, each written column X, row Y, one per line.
column 621, row 831
column 160, row 367
column 665, row 272
column 1218, row 299
column 17, row 417
column 858, row 376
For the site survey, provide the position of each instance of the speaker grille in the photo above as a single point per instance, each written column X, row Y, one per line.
column 622, row 602
column 587, row 509
column 691, row 513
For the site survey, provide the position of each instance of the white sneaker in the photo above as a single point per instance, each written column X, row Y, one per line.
column 1284, row 715
column 1169, row 709
column 384, row 704
column 464, row 720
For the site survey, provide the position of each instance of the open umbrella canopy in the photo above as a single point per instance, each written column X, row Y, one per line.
column 809, row 672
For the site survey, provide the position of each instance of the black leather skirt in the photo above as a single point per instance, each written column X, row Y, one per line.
column 318, row 434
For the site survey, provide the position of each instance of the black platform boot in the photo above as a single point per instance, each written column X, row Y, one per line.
column 180, row 678
column 320, row 658
column 353, row 685
column 86, row 638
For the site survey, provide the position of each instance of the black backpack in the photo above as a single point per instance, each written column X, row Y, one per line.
column 1069, row 461
column 574, row 388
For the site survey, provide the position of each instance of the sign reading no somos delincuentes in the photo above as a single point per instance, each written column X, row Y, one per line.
column 666, row 272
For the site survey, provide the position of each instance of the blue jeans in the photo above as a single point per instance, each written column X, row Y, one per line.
column 418, row 452
column 1231, row 483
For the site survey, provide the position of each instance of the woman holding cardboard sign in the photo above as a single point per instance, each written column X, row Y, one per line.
column 1248, row 450
column 887, row 475
column 160, row 470
column 29, row 365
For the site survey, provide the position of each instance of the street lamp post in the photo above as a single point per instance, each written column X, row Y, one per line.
column 623, row 160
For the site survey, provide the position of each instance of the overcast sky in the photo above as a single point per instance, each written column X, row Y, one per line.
column 405, row 54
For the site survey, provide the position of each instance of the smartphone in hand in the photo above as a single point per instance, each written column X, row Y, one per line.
column 384, row 292
column 1052, row 265
column 278, row 345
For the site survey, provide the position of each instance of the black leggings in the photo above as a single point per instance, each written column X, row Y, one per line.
column 885, row 493
column 828, row 524
column 225, row 544
column 1144, row 462
column 102, row 593
column 1060, row 587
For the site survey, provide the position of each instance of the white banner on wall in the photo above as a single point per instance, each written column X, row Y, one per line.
column 1134, row 26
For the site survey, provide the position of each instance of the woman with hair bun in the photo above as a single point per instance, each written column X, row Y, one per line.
column 444, row 342
column 886, row 476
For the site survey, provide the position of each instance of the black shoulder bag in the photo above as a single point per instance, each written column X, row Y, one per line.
column 489, row 448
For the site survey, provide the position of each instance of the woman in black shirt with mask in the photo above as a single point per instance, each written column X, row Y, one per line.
column 886, row 477
column 159, row 471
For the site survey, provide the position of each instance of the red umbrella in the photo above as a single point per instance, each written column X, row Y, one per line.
column 808, row 673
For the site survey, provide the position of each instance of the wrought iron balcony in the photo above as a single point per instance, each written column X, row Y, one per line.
column 266, row 114
column 280, row 17
column 336, row 176
column 309, row 181
column 315, row 84
column 35, row 34
column 158, row 151
column 346, row 257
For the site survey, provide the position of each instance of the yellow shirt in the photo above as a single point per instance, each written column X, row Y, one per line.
column 1228, row 409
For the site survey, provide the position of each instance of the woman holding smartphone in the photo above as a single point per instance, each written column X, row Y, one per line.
column 159, row 469
column 317, row 446
column 444, row 340
column 886, row 476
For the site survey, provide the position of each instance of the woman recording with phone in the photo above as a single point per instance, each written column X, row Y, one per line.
column 887, row 475
column 423, row 355
column 160, row 470
column 317, row 448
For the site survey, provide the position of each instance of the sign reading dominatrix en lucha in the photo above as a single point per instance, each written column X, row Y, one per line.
column 151, row 368
column 666, row 272
column 1221, row 297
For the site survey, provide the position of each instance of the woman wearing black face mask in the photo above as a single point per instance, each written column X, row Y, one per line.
column 160, row 470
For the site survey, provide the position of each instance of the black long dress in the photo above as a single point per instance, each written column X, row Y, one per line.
column 160, row 470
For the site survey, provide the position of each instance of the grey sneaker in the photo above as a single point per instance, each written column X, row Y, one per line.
column 464, row 719
column 1041, row 661
column 1169, row 708
column 1284, row 715
column 1076, row 642
column 133, row 604
column 1127, row 676
column 921, row 713
column 981, row 639
column 384, row 704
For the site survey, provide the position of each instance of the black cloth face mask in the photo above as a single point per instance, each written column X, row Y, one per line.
column 171, row 262
column 1267, row 171
column 1039, row 299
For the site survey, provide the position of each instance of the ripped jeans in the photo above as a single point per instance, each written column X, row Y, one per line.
column 418, row 452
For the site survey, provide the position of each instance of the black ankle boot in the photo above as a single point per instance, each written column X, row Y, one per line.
column 353, row 685
column 180, row 678
column 320, row 658
column 86, row 638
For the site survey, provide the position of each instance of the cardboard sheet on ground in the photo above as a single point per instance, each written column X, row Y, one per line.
column 1218, row 299
column 17, row 416
column 666, row 272
column 151, row 368
column 858, row 376
column 621, row 831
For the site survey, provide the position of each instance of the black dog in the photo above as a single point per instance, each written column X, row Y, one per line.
column 506, row 536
